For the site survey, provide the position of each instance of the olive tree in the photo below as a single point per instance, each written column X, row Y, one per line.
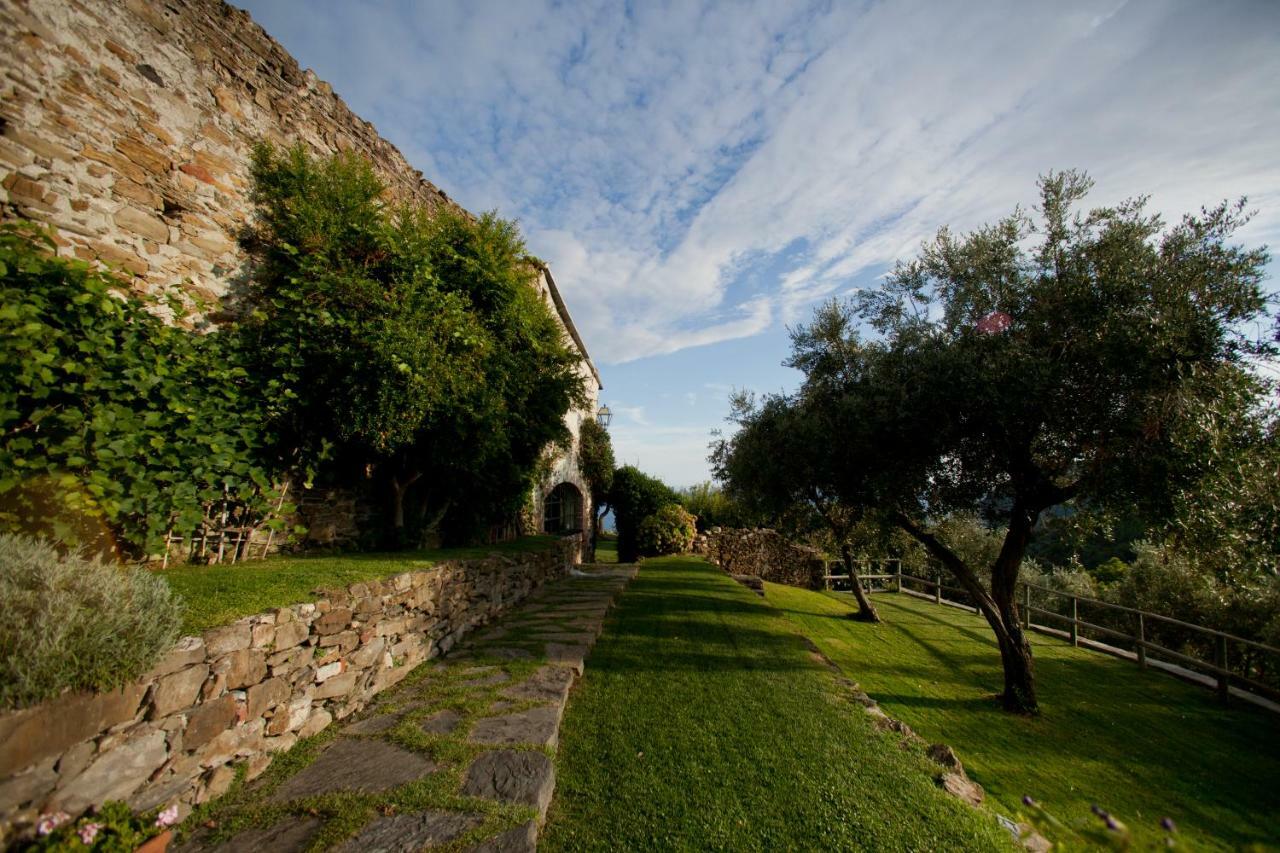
column 1062, row 356
column 779, row 464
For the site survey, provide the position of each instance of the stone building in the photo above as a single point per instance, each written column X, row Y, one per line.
column 128, row 124
column 562, row 500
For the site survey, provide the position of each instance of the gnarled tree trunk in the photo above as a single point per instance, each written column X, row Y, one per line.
column 998, row 605
column 866, row 612
column 399, row 487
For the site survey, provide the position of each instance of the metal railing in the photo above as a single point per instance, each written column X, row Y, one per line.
column 1231, row 662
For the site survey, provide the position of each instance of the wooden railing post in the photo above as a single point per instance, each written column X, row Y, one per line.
column 899, row 573
column 937, row 587
column 1075, row 621
column 1224, row 680
column 1142, row 641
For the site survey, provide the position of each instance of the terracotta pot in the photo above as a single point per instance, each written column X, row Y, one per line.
column 157, row 844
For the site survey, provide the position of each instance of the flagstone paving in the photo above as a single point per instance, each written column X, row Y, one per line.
column 459, row 756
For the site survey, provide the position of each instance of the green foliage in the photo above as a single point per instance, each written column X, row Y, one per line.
column 114, row 427
column 71, row 622
column 776, row 465
column 1228, row 518
column 595, row 459
column 1110, row 572
column 414, row 344
column 1085, row 365
column 1174, row 582
column 489, row 451
column 634, row 497
column 782, row 464
column 346, row 309
column 1091, row 356
column 714, row 507
column 113, row 828
column 670, row 530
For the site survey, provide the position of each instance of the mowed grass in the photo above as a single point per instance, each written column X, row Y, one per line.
column 217, row 595
column 704, row 722
column 1140, row 744
column 607, row 549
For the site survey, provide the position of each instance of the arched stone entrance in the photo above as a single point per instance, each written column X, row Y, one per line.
column 563, row 510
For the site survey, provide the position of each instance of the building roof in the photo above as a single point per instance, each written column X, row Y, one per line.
column 568, row 321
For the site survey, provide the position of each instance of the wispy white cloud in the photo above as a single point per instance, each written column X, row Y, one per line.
column 635, row 414
column 658, row 155
column 675, row 455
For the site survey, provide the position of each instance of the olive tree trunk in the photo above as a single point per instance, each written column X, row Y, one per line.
column 866, row 612
column 998, row 605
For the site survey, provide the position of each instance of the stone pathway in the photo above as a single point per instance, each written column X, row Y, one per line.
column 458, row 756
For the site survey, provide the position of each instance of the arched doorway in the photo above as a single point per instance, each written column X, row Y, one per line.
column 562, row 510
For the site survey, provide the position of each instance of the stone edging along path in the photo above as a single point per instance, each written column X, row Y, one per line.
column 951, row 776
column 458, row 755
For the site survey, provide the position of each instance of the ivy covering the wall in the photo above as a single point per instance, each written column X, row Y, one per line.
column 115, row 427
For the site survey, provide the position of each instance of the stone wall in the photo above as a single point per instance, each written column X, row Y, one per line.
column 763, row 553
column 240, row 693
column 128, row 125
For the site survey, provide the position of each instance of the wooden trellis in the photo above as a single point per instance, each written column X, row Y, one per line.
column 226, row 534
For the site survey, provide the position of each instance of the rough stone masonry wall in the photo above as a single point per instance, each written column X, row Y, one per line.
column 251, row 689
column 128, row 125
column 763, row 553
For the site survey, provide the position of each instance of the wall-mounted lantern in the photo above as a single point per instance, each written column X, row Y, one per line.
column 603, row 416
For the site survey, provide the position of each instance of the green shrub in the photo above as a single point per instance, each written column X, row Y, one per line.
column 114, row 427
column 634, row 497
column 73, row 622
column 670, row 530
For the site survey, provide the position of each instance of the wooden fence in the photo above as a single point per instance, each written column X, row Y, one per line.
column 1229, row 662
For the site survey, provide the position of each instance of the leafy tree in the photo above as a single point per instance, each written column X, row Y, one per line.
column 779, row 464
column 1229, row 518
column 409, row 346
column 634, row 497
column 714, row 507
column 115, row 428
column 596, row 461
column 482, row 465
column 1076, row 356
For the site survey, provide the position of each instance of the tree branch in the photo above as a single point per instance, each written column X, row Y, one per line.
column 958, row 568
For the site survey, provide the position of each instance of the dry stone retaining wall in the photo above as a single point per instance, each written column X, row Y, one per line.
column 763, row 553
column 245, row 691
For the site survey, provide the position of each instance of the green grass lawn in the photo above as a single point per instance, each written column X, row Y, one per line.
column 216, row 595
column 704, row 722
column 607, row 549
column 1141, row 744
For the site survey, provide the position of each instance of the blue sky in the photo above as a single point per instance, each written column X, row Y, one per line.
column 700, row 175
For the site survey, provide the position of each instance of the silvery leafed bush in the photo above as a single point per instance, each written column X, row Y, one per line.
column 71, row 621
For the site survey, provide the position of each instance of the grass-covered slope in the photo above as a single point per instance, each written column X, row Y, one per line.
column 217, row 595
column 1140, row 744
column 703, row 722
